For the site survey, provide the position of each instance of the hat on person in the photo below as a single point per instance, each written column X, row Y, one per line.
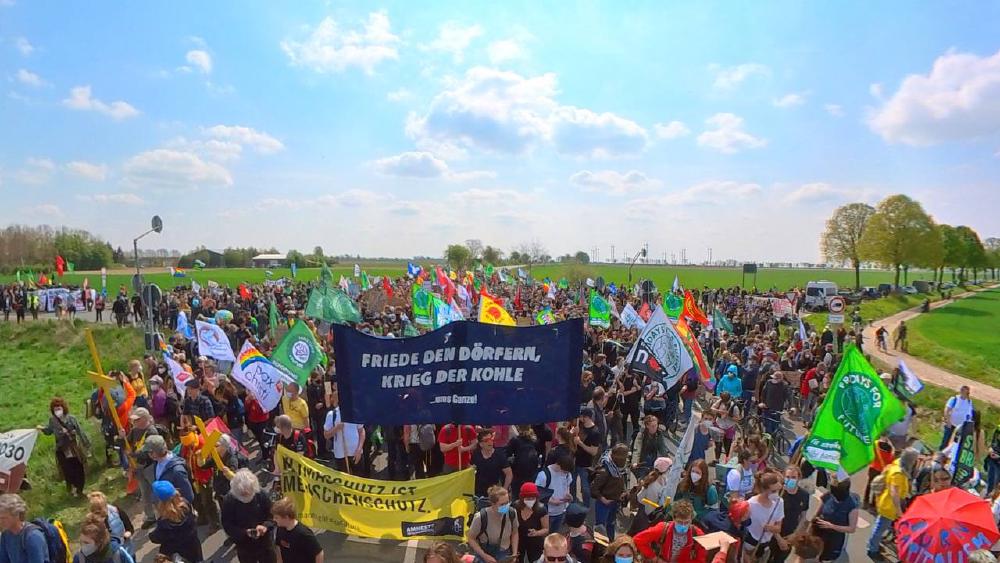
column 662, row 464
column 529, row 489
column 163, row 490
column 576, row 514
column 192, row 384
column 587, row 412
column 885, row 376
column 738, row 511
column 202, row 359
column 139, row 412
column 733, row 369
column 156, row 379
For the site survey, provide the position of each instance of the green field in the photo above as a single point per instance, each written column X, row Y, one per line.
column 962, row 337
column 41, row 360
column 223, row 276
column 696, row 277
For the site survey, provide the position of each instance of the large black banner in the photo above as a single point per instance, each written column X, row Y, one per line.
column 464, row 373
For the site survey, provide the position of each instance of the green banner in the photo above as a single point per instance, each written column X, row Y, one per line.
column 298, row 353
column 600, row 311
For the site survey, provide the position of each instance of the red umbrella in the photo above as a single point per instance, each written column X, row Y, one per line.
column 945, row 526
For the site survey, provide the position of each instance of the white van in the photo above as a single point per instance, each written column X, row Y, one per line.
column 819, row 293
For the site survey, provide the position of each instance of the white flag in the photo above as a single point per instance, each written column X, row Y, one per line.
column 631, row 319
column 213, row 342
column 15, row 448
column 195, row 286
column 680, row 457
column 180, row 376
column 677, row 285
column 454, row 313
column 344, row 284
column 590, row 282
column 659, row 351
column 911, row 382
column 259, row 376
column 357, row 271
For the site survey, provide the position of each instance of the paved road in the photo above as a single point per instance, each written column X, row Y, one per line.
column 927, row 372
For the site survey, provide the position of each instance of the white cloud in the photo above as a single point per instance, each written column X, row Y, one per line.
column 80, row 99
column 400, row 95
column 708, row 193
column 834, row 109
column 505, row 50
column 814, row 192
column 45, row 210
column 260, row 141
column 124, row 199
column 328, row 48
column 504, row 112
column 200, row 59
column 30, row 78
column 352, row 198
column 672, row 130
column 454, row 38
column 36, row 171
column 610, row 181
column 959, row 99
column 790, row 100
column 172, row 169
column 7, row 3
column 24, row 46
column 212, row 149
column 424, row 165
column 728, row 78
column 728, row 137
column 90, row 171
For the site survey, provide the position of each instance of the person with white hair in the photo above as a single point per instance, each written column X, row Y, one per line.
column 20, row 541
column 246, row 518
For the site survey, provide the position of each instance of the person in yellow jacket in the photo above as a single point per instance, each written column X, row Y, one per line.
column 889, row 504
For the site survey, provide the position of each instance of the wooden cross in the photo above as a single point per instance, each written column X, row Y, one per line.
column 103, row 381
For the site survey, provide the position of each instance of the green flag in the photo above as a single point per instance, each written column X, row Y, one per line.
column 489, row 271
column 298, row 353
column 70, row 266
column 332, row 305
column 19, row 276
column 422, row 312
column 325, row 275
column 365, row 283
column 272, row 317
column 439, row 311
column 857, row 409
column 721, row 322
column 600, row 312
column 563, row 283
column 673, row 306
column 545, row 316
column 409, row 330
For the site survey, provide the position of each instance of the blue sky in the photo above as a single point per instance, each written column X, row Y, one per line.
column 394, row 129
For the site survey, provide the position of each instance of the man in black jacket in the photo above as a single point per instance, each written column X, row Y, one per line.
column 246, row 518
column 195, row 402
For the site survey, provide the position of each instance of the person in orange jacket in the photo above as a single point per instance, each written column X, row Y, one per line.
column 656, row 543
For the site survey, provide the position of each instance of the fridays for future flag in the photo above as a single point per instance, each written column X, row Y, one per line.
column 213, row 342
column 857, row 409
column 298, row 353
column 659, row 352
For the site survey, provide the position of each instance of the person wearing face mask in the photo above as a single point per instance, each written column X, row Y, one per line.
column 837, row 516
column 96, row 545
column 293, row 405
column 653, row 490
column 889, row 504
column 246, row 518
column 493, row 533
column 608, row 486
column 697, row 488
column 767, row 511
column 534, row 522
column 796, row 506
column 672, row 541
column 621, row 550
column 72, row 445
column 157, row 399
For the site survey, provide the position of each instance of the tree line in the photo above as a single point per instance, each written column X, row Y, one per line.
column 899, row 234
column 24, row 248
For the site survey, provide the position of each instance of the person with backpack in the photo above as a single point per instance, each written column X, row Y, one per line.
column 419, row 441
column 20, row 541
column 522, row 450
column 96, row 545
column 176, row 531
column 652, row 442
column 553, row 483
column 116, row 520
column 290, row 438
column 896, row 490
column 142, row 428
column 347, row 439
column 247, row 520
column 672, row 541
column 608, row 487
column 493, row 532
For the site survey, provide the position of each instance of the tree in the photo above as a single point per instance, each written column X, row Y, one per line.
column 318, row 255
column 475, row 247
column 532, row 253
column 953, row 249
column 896, row 234
column 457, row 256
column 294, row 256
column 582, row 257
column 491, row 255
column 841, row 240
column 973, row 252
column 515, row 257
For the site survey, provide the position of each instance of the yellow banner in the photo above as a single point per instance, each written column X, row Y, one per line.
column 422, row 508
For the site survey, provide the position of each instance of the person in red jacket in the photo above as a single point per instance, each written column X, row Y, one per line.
column 673, row 541
column 204, row 501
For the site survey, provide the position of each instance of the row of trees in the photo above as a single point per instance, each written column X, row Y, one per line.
column 24, row 247
column 899, row 234
column 464, row 256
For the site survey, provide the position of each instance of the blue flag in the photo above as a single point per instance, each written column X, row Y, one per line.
column 295, row 270
column 612, row 289
column 522, row 274
column 413, row 270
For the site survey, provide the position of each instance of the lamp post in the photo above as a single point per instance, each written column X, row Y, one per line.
column 157, row 226
column 642, row 253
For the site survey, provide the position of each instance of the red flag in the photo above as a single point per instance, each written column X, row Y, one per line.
column 447, row 286
column 245, row 292
column 43, row 280
column 691, row 343
column 517, row 298
column 691, row 309
column 645, row 312
column 60, row 265
column 387, row 286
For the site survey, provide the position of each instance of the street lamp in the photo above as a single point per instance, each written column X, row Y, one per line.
column 157, row 226
column 632, row 263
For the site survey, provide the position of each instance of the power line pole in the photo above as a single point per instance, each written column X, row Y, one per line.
column 612, row 253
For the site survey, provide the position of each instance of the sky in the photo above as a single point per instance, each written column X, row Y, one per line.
column 394, row 129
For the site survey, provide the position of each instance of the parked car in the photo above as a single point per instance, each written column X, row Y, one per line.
column 870, row 292
column 909, row 290
column 946, row 285
column 851, row 297
column 818, row 294
column 885, row 289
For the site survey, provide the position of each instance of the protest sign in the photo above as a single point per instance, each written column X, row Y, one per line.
column 15, row 448
column 258, row 375
column 465, row 372
column 180, row 376
column 213, row 342
column 397, row 510
column 963, row 455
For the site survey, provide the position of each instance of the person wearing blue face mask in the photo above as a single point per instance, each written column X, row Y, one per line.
column 672, row 541
column 796, row 505
column 493, row 534
column 621, row 550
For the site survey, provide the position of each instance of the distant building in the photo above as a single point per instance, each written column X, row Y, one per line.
column 267, row 260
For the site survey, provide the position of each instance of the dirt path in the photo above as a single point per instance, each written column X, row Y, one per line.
column 927, row 372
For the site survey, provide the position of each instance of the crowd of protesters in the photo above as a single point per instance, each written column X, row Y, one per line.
column 595, row 488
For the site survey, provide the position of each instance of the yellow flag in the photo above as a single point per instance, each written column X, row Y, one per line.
column 493, row 313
